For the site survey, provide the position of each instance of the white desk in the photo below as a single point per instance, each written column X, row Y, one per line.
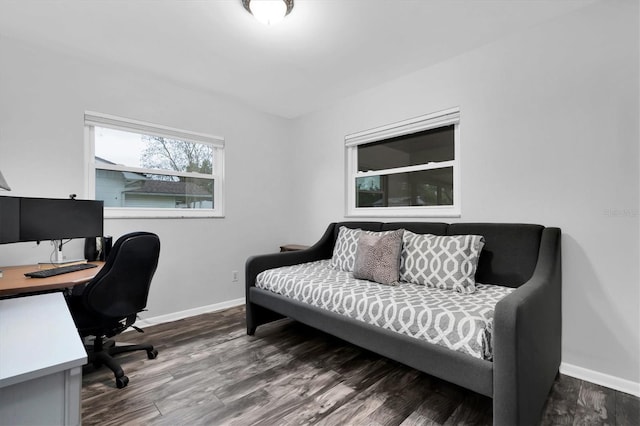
column 41, row 358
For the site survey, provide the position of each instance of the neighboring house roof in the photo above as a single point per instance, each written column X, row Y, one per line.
column 157, row 187
column 102, row 160
column 127, row 175
column 133, row 176
column 140, row 184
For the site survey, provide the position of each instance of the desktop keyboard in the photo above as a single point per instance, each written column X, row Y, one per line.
column 45, row 273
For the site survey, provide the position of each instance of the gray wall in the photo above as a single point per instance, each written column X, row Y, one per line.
column 549, row 133
column 43, row 96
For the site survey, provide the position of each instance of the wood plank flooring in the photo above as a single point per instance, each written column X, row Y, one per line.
column 209, row 372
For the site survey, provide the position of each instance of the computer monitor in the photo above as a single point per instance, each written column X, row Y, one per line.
column 39, row 219
column 9, row 220
column 59, row 219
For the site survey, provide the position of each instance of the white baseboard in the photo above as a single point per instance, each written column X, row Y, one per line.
column 174, row 316
column 613, row 382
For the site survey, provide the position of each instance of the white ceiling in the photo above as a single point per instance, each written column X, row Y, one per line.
column 323, row 51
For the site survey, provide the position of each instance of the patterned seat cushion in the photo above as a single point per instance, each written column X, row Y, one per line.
column 461, row 322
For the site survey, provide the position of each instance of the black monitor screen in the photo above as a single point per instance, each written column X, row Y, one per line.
column 9, row 220
column 44, row 219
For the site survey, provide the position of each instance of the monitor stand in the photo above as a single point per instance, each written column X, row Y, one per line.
column 59, row 259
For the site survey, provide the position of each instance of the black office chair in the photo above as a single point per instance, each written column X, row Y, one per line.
column 110, row 302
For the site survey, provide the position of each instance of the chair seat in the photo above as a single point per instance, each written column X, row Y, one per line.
column 89, row 323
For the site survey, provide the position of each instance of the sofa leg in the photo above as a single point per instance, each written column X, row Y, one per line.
column 257, row 315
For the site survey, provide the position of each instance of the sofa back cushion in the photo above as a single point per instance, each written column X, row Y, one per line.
column 510, row 252
column 367, row 226
column 435, row 228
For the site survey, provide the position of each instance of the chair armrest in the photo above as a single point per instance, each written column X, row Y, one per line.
column 527, row 339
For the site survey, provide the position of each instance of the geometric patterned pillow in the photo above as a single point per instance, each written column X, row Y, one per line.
column 446, row 262
column 344, row 251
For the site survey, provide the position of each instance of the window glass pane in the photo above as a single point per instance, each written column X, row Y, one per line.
column 151, row 152
column 128, row 189
column 432, row 145
column 423, row 188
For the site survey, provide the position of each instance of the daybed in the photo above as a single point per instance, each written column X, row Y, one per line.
column 518, row 355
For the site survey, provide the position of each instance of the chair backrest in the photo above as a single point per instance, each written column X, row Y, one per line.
column 121, row 288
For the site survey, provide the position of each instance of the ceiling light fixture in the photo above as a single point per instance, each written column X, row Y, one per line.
column 269, row 12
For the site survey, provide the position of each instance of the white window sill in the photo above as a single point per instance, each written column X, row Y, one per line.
column 141, row 213
column 408, row 212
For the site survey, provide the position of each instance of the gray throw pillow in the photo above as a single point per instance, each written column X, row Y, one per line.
column 447, row 262
column 378, row 257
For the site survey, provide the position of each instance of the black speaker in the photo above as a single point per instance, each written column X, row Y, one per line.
column 105, row 247
column 90, row 249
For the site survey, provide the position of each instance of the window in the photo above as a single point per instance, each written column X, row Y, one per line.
column 405, row 169
column 146, row 170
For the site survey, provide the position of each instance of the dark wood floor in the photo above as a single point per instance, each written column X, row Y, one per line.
column 210, row 372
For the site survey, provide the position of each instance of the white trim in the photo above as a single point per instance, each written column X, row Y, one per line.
column 457, row 184
column 602, row 379
column 120, row 123
column 443, row 118
column 405, row 211
column 163, row 172
column 174, row 316
column 219, row 183
column 150, row 213
column 411, row 125
column 92, row 119
column 407, row 169
column 90, row 155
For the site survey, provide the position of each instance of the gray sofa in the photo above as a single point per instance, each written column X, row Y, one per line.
column 527, row 322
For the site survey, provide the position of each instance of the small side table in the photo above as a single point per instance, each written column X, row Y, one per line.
column 292, row 247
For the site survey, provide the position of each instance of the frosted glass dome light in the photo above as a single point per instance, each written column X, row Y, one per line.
column 269, row 12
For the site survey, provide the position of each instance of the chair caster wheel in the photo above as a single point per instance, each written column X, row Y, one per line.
column 152, row 354
column 122, row 382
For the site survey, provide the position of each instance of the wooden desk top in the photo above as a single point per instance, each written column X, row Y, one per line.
column 14, row 282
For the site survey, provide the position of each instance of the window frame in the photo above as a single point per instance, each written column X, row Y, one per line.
column 96, row 119
column 413, row 125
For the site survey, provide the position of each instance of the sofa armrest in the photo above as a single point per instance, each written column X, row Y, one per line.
column 257, row 315
column 527, row 339
column 323, row 249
